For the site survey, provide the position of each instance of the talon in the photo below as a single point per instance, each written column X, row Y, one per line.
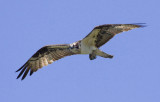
column 92, row 57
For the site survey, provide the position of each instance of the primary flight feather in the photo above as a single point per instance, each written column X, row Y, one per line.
column 89, row 45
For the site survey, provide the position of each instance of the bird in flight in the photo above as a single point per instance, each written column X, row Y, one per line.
column 88, row 45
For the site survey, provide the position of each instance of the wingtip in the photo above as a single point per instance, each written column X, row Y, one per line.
column 19, row 69
column 22, row 79
column 17, row 77
column 140, row 24
column 31, row 72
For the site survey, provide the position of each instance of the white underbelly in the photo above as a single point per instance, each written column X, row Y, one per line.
column 87, row 49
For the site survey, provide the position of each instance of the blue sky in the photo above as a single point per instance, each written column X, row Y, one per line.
column 131, row 76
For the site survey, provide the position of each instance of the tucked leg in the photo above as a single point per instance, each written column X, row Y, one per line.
column 92, row 56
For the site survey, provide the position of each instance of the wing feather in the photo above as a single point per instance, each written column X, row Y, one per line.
column 103, row 33
column 41, row 63
column 26, row 72
column 21, row 72
column 44, row 56
column 37, row 64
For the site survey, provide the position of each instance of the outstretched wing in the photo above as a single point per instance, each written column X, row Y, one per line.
column 44, row 56
column 103, row 33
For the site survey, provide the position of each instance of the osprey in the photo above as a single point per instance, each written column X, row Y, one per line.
column 89, row 45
